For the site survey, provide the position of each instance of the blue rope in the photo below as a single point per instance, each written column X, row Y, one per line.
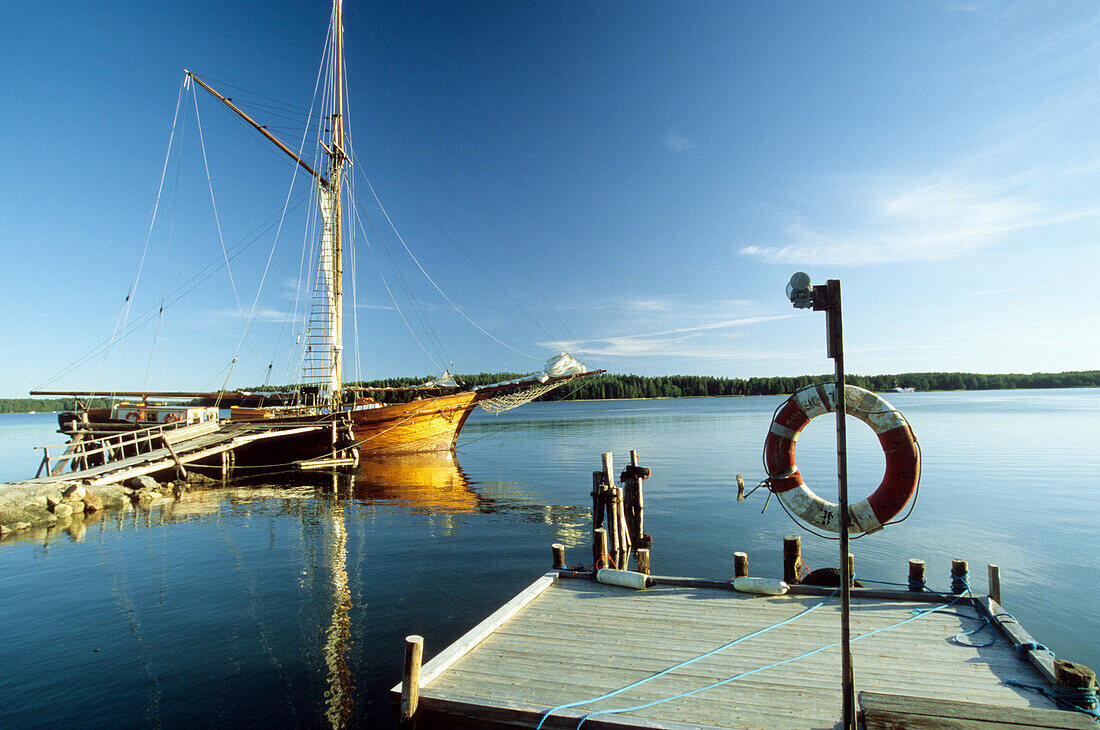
column 754, row 671
column 1068, row 698
column 663, row 672
column 1027, row 647
column 957, row 638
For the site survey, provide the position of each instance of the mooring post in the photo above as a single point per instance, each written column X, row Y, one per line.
column 637, row 503
column 599, row 547
column 959, row 580
column 559, row 555
column 625, row 543
column 916, row 575
column 1076, row 684
column 643, row 561
column 740, row 565
column 612, row 520
column 410, row 682
column 597, row 499
column 792, row 559
column 851, row 568
column 994, row 582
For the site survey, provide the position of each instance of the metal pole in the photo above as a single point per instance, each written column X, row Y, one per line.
column 836, row 352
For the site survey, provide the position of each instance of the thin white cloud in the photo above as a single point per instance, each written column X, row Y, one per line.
column 677, row 342
column 261, row 315
column 678, row 142
column 932, row 221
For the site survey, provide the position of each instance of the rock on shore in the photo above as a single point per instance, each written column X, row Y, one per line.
column 30, row 504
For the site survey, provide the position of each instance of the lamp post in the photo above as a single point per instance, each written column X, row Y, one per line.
column 826, row 298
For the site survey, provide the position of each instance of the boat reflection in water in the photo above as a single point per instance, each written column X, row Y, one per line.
column 424, row 483
column 323, row 546
column 433, row 485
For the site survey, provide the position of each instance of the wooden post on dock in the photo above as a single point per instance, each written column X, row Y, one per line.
column 959, row 569
column 643, row 561
column 611, row 520
column 599, row 547
column 559, row 555
column 740, row 565
column 636, row 502
column 597, row 500
column 622, row 557
column 851, row 568
column 792, row 559
column 1076, row 683
column 410, row 682
column 994, row 582
column 916, row 575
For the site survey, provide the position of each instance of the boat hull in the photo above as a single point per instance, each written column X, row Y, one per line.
column 422, row 426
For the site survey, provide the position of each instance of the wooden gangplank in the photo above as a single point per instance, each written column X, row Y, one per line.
column 182, row 445
column 564, row 641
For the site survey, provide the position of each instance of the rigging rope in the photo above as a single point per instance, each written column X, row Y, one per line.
column 359, row 219
column 124, row 315
column 213, row 204
column 432, row 281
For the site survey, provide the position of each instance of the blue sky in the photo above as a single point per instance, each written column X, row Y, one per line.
column 632, row 182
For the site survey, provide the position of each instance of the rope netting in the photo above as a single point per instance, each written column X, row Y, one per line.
column 516, row 398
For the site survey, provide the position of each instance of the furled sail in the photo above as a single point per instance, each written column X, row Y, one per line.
column 559, row 370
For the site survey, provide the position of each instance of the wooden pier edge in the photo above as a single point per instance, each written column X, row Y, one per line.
column 443, row 661
column 1008, row 627
column 899, row 711
column 481, row 713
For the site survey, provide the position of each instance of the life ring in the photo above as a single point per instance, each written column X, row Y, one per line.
column 135, row 416
column 898, row 486
column 171, row 417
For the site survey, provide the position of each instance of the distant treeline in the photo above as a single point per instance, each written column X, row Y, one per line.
column 48, row 405
column 684, row 386
column 681, row 386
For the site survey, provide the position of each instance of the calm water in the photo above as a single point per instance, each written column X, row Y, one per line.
column 260, row 606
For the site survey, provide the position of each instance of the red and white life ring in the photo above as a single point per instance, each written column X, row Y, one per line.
column 135, row 416
column 171, row 417
column 898, row 486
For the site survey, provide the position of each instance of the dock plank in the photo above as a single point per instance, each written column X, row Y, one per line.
column 887, row 711
column 574, row 640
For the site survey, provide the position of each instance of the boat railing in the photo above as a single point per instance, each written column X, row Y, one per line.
column 83, row 448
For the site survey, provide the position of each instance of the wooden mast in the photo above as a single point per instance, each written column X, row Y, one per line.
column 337, row 154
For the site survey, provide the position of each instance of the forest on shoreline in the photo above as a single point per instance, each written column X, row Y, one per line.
column 616, row 386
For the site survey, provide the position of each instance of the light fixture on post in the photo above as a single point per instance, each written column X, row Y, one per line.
column 826, row 298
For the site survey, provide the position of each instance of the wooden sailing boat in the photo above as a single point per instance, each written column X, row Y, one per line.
column 431, row 422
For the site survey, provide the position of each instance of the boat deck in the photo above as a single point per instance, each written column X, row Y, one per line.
column 189, row 444
column 567, row 641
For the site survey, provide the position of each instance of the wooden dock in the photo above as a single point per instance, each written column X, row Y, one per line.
column 165, row 447
column 567, row 640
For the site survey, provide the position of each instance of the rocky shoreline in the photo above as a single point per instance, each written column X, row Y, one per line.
column 28, row 505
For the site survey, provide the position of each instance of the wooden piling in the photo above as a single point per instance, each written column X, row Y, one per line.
column 740, row 565
column 994, row 582
column 599, row 547
column 916, row 575
column 959, row 569
column 852, row 568
column 643, row 561
column 636, row 503
column 792, row 559
column 597, row 499
column 559, row 555
column 607, row 494
column 410, row 682
column 625, row 543
column 1076, row 684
